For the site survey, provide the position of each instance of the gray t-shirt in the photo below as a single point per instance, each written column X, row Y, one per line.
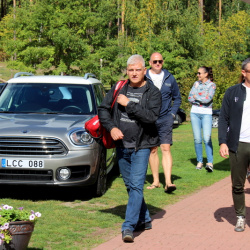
column 128, row 125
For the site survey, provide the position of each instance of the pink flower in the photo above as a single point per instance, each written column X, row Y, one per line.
column 6, row 207
column 37, row 214
column 32, row 217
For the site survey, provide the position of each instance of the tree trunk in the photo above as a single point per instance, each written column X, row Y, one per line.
column 201, row 14
column 220, row 3
column 3, row 8
column 14, row 17
column 123, row 16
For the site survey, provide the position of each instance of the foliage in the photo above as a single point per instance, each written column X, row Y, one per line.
column 75, row 37
column 9, row 214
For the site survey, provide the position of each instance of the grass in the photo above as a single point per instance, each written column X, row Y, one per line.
column 71, row 219
column 6, row 73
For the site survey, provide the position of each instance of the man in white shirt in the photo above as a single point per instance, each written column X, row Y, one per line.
column 171, row 101
column 234, row 139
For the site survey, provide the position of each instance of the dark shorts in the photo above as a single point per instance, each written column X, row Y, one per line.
column 165, row 129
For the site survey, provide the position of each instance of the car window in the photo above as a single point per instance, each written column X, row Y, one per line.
column 1, row 85
column 99, row 93
column 49, row 97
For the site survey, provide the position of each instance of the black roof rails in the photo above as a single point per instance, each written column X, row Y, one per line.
column 88, row 75
column 23, row 74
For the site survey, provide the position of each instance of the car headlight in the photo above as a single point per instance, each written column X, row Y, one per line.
column 81, row 138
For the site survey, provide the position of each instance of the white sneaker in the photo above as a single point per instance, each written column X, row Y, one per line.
column 240, row 225
column 199, row 165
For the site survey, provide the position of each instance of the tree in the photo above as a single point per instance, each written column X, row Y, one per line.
column 99, row 35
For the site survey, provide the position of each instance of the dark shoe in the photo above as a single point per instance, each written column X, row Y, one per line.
column 127, row 235
column 209, row 168
column 170, row 189
column 143, row 226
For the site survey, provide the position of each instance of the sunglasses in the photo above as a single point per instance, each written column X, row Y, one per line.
column 198, row 73
column 159, row 61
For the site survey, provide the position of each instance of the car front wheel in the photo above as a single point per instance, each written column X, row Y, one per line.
column 101, row 183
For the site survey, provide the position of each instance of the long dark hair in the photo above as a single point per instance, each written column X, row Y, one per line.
column 209, row 71
column 243, row 67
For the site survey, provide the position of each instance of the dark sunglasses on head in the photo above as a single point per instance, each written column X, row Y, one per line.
column 159, row 61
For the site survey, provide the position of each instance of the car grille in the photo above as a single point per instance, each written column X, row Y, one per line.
column 77, row 173
column 31, row 146
column 26, row 175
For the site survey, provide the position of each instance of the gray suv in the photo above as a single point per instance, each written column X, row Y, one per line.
column 42, row 136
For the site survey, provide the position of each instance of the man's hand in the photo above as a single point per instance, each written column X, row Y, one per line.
column 122, row 100
column 116, row 134
column 224, row 152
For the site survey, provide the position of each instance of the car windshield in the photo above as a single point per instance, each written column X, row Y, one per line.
column 47, row 98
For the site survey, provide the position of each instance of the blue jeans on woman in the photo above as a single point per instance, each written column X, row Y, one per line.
column 133, row 168
column 202, row 122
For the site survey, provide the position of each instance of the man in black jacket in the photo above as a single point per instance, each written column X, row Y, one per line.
column 132, row 125
column 234, row 139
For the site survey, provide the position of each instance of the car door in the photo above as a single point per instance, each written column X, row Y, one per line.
column 111, row 153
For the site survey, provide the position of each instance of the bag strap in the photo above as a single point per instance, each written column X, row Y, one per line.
column 118, row 87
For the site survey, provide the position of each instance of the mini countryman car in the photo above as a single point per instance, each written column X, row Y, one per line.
column 42, row 135
column 180, row 117
column 215, row 118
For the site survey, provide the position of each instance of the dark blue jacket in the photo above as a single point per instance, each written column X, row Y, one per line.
column 170, row 93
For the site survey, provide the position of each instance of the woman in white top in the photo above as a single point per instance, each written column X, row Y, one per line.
column 201, row 98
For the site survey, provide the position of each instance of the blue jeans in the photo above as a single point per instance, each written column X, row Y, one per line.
column 133, row 167
column 202, row 122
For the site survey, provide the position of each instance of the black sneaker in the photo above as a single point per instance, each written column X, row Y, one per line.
column 143, row 226
column 127, row 235
column 209, row 168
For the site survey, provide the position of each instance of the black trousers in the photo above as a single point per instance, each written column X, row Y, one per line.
column 239, row 163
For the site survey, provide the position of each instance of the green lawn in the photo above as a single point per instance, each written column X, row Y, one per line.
column 71, row 219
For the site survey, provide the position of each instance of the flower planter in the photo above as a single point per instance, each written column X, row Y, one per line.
column 21, row 233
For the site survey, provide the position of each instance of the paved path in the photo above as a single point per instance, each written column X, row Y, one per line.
column 204, row 220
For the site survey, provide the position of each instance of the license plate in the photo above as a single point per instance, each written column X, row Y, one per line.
column 17, row 163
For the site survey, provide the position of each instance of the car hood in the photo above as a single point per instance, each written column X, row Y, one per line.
column 40, row 124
